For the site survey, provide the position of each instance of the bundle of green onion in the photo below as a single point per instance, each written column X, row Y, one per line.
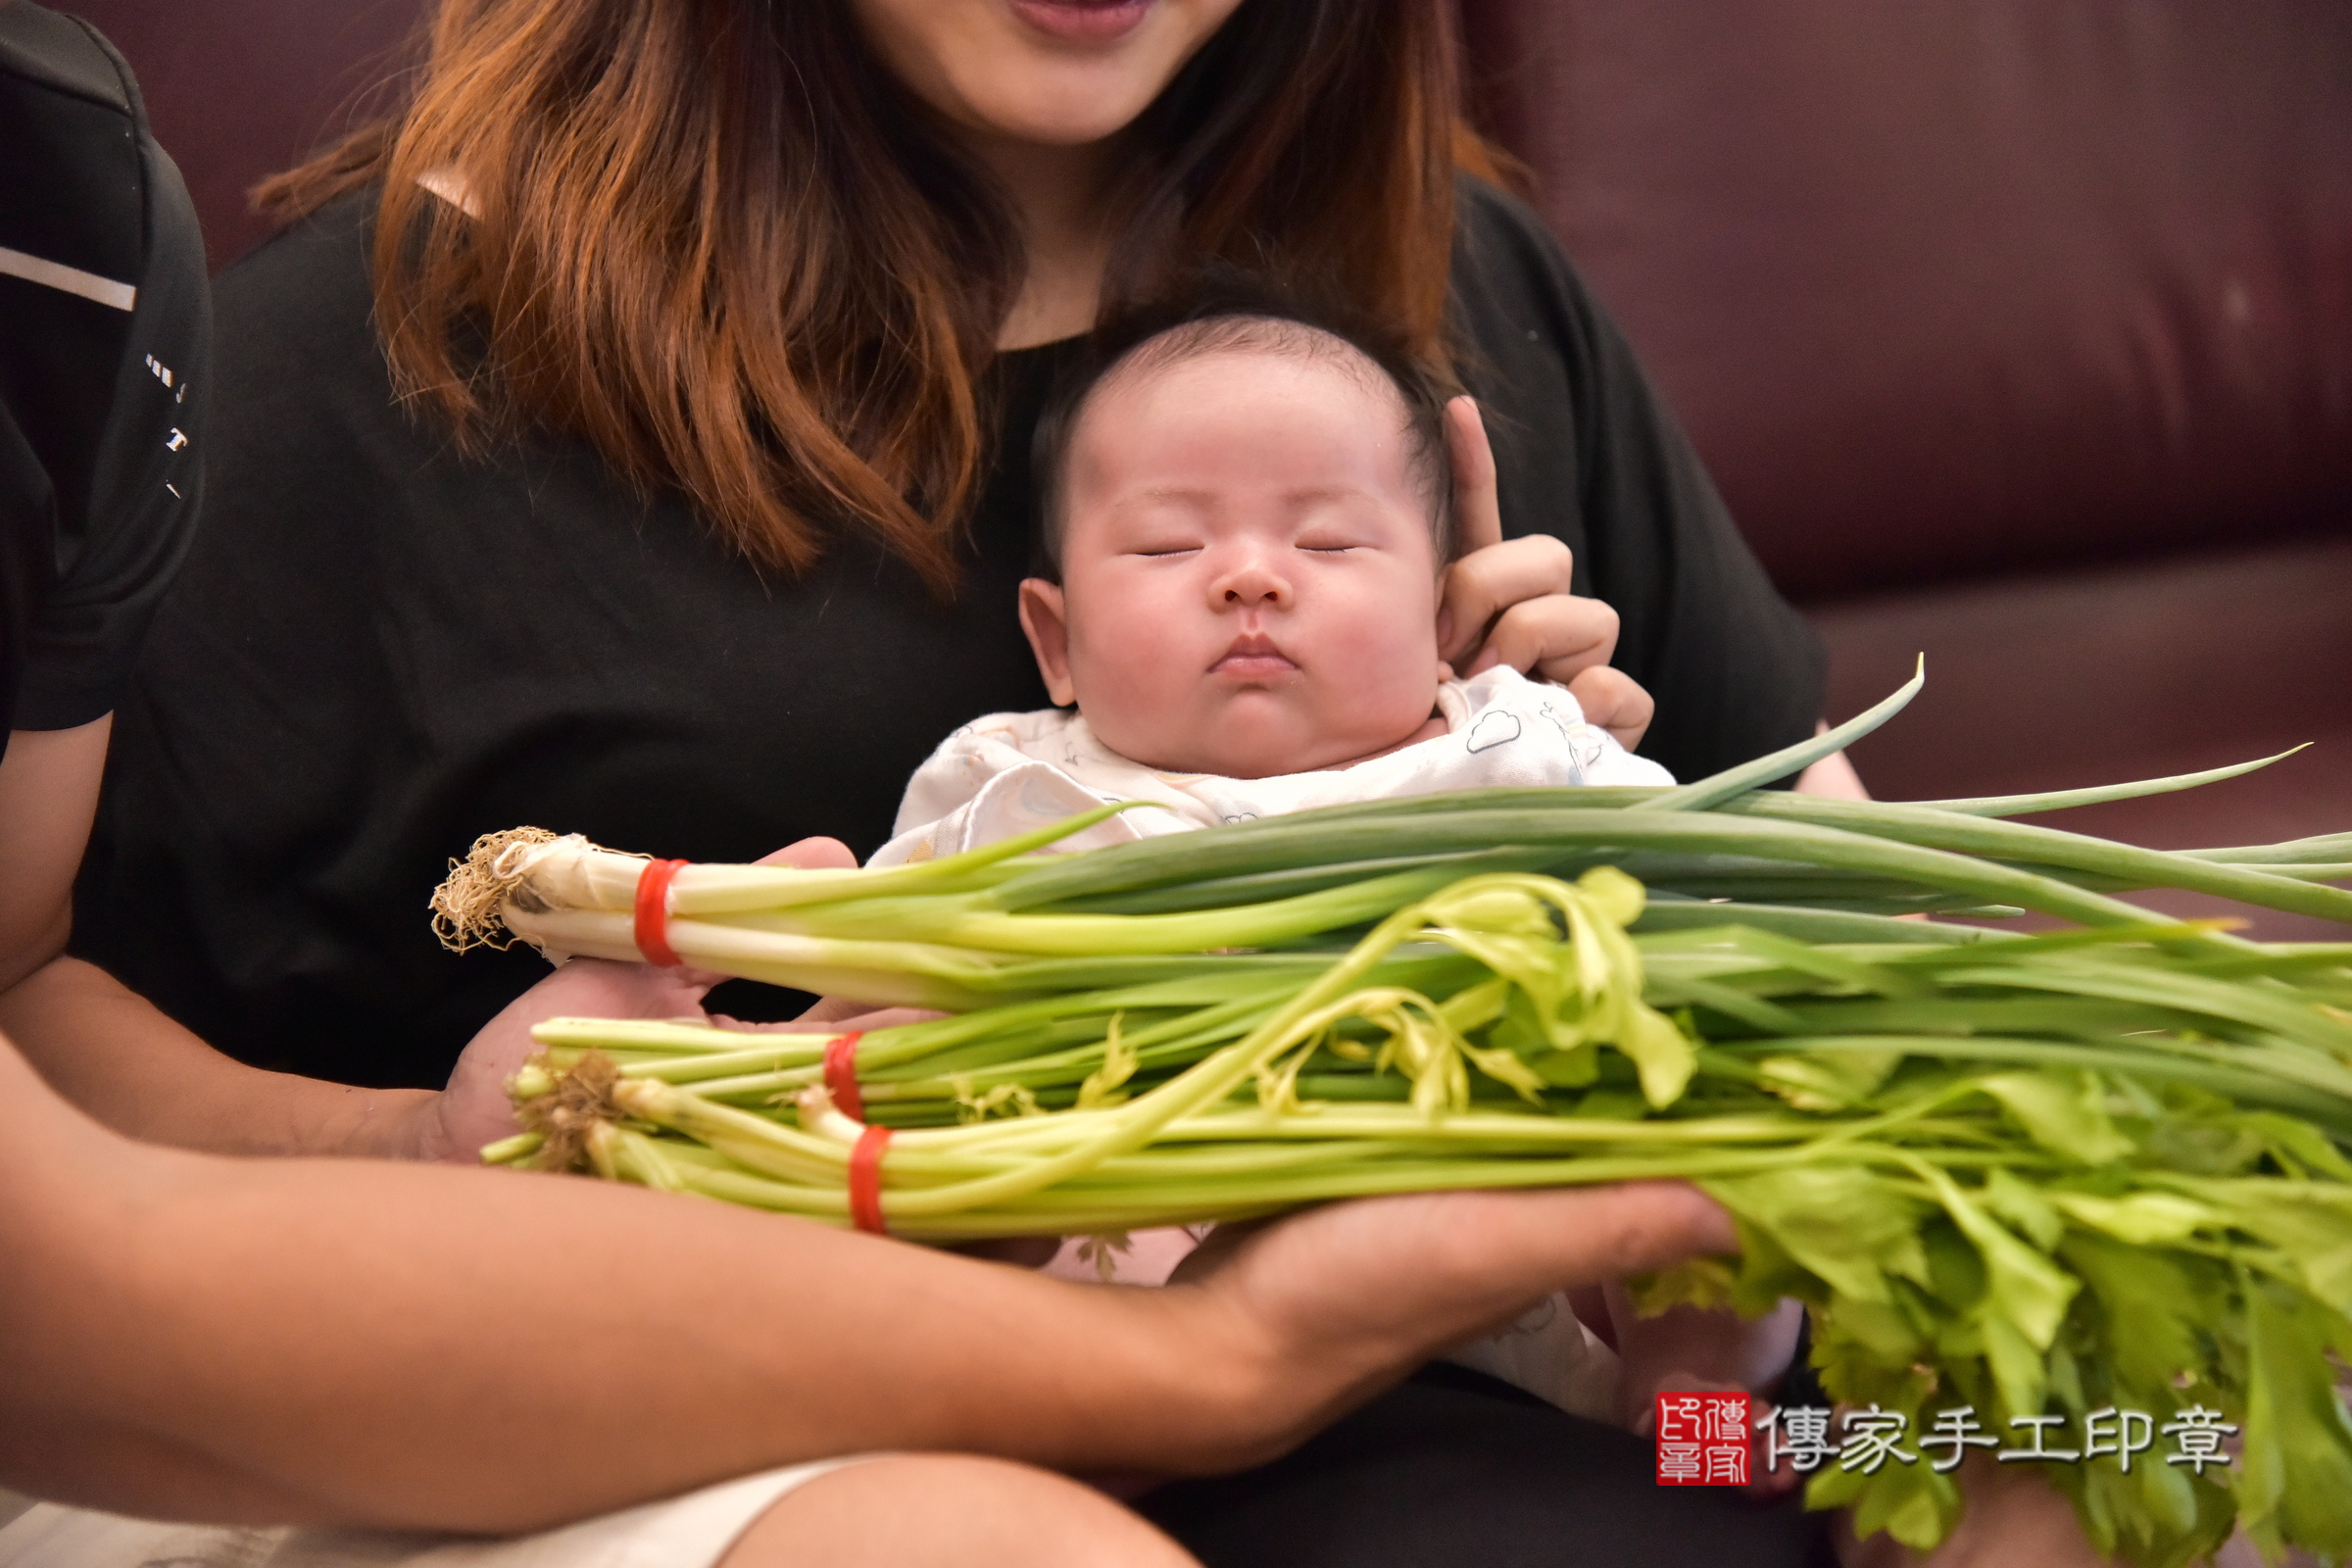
column 2091, row 1170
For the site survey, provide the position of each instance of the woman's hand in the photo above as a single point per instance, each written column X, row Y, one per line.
column 1512, row 602
column 1339, row 1303
column 474, row 1109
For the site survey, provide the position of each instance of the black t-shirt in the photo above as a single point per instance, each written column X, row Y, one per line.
column 381, row 649
column 103, row 329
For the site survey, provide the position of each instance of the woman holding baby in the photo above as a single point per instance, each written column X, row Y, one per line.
column 633, row 436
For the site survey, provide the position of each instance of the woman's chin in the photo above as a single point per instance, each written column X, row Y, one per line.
column 1056, row 102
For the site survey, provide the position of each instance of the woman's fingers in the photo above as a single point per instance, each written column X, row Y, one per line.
column 1615, row 701
column 1513, row 602
column 812, row 854
column 1563, row 1239
column 1384, row 1282
column 1552, row 636
column 1477, row 515
column 1502, row 578
column 1477, row 524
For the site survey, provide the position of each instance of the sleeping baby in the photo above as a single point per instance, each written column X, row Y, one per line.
column 1245, row 518
column 1244, row 521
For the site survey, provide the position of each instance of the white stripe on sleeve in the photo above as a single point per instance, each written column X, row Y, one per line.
column 71, row 280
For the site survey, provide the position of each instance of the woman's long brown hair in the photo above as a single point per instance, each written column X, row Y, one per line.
column 713, row 238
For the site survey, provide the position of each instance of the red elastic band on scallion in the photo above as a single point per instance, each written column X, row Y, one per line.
column 866, row 1179
column 841, row 1074
column 653, row 912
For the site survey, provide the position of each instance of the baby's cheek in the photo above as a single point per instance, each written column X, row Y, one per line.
column 1127, row 679
column 1399, row 704
column 1391, row 666
column 1126, row 711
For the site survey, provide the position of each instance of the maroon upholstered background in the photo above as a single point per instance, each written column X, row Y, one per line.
column 2016, row 332
column 1947, row 288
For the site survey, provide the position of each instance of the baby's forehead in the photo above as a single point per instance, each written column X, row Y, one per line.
column 1338, row 391
column 1246, row 348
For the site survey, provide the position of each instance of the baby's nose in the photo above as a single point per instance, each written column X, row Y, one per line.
column 1252, row 582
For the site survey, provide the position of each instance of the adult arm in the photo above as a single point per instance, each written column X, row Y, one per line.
column 48, row 792
column 113, row 1053
column 192, row 1335
column 109, row 1052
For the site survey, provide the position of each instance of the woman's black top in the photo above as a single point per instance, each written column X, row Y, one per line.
column 381, row 649
column 103, row 331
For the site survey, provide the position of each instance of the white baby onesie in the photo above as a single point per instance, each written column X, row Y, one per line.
column 1010, row 773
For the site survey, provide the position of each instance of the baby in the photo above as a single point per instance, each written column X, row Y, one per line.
column 1245, row 522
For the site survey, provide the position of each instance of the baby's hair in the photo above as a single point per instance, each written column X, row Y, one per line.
column 1233, row 322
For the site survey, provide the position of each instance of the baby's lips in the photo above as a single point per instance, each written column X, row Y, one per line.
column 1253, row 666
column 1254, row 654
column 1253, row 642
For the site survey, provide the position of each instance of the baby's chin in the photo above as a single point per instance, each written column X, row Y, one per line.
column 1249, row 751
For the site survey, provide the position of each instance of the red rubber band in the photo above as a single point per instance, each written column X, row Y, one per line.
column 841, row 1074
column 866, row 1179
column 653, row 912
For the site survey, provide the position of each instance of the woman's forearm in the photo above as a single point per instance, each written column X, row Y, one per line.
column 113, row 1054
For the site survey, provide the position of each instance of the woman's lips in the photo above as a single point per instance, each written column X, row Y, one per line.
column 1082, row 21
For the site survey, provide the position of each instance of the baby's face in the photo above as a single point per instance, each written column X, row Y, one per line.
column 1249, row 585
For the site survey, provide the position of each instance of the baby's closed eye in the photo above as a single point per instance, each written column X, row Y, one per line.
column 1323, row 543
column 1155, row 544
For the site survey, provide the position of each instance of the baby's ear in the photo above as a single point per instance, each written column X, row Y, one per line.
column 1046, row 619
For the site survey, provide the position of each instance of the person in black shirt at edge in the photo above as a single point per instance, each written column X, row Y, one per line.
column 360, row 1343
